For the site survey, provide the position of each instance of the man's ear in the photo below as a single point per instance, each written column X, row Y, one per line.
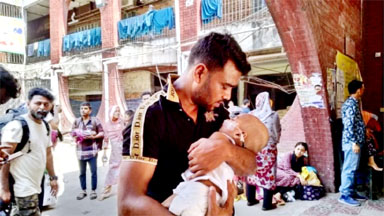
column 199, row 71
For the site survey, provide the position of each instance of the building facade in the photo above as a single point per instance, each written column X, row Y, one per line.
column 108, row 52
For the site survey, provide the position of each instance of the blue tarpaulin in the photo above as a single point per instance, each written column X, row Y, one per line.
column 81, row 40
column 211, row 9
column 152, row 21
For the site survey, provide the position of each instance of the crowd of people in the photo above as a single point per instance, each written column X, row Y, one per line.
column 179, row 152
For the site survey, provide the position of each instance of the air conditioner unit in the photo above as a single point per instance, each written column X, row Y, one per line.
column 100, row 3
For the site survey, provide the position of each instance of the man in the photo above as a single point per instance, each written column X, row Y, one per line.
column 169, row 131
column 353, row 139
column 9, row 88
column 145, row 95
column 88, row 131
column 28, row 170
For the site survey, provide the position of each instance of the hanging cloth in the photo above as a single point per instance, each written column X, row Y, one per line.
column 211, row 9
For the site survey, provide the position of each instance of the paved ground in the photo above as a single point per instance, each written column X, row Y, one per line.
column 68, row 205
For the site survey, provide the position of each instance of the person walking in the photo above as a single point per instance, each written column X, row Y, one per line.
column 265, row 159
column 28, row 170
column 353, row 138
column 114, row 137
column 88, row 131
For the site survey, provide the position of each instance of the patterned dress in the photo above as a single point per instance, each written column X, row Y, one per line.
column 266, row 159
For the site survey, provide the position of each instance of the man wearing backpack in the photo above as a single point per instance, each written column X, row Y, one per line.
column 88, row 132
column 29, row 134
column 9, row 88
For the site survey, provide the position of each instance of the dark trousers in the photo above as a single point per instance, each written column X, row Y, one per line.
column 267, row 198
column 92, row 162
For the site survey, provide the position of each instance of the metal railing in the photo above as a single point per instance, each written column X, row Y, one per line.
column 10, row 10
column 239, row 11
column 11, row 58
column 83, row 26
column 166, row 33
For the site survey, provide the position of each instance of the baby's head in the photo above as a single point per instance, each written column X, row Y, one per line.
column 248, row 129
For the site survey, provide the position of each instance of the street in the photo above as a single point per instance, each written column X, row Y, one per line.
column 66, row 163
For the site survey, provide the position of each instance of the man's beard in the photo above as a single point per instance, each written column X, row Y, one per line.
column 39, row 114
column 202, row 95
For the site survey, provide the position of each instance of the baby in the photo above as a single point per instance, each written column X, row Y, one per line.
column 191, row 196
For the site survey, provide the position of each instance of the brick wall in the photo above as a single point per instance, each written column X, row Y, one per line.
column 110, row 15
column 58, row 27
column 373, row 69
column 190, row 23
column 311, row 32
column 292, row 128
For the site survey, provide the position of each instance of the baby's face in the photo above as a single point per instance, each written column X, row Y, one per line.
column 231, row 127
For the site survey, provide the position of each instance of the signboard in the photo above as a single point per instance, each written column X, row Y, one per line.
column 347, row 70
column 308, row 89
column 12, row 33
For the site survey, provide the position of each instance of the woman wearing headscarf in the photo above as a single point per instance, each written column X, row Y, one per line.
column 113, row 137
column 266, row 158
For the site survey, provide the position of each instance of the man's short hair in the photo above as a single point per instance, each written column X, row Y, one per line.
column 8, row 82
column 245, row 101
column 129, row 112
column 42, row 92
column 87, row 104
column 214, row 50
column 354, row 85
column 145, row 93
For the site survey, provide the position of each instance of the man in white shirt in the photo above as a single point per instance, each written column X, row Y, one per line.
column 28, row 170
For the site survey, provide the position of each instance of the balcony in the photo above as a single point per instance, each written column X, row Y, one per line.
column 39, row 51
column 152, row 25
column 249, row 21
column 82, row 41
column 11, row 58
column 232, row 12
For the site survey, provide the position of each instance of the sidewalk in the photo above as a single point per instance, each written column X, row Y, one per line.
column 326, row 206
column 66, row 162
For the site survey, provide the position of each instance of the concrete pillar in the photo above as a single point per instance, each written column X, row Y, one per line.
column 110, row 15
column 58, row 11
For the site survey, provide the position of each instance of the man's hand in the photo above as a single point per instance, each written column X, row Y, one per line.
column 5, row 195
column 355, row 148
column 54, row 187
column 227, row 209
column 207, row 154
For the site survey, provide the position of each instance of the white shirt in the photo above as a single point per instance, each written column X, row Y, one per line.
column 28, row 169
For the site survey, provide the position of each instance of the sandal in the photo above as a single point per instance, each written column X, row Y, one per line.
column 106, row 193
column 93, row 195
column 81, row 196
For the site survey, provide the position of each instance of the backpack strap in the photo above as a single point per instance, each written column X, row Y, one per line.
column 47, row 127
column 25, row 136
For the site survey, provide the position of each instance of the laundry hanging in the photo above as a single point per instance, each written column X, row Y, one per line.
column 211, row 9
column 154, row 21
column 82, row 39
